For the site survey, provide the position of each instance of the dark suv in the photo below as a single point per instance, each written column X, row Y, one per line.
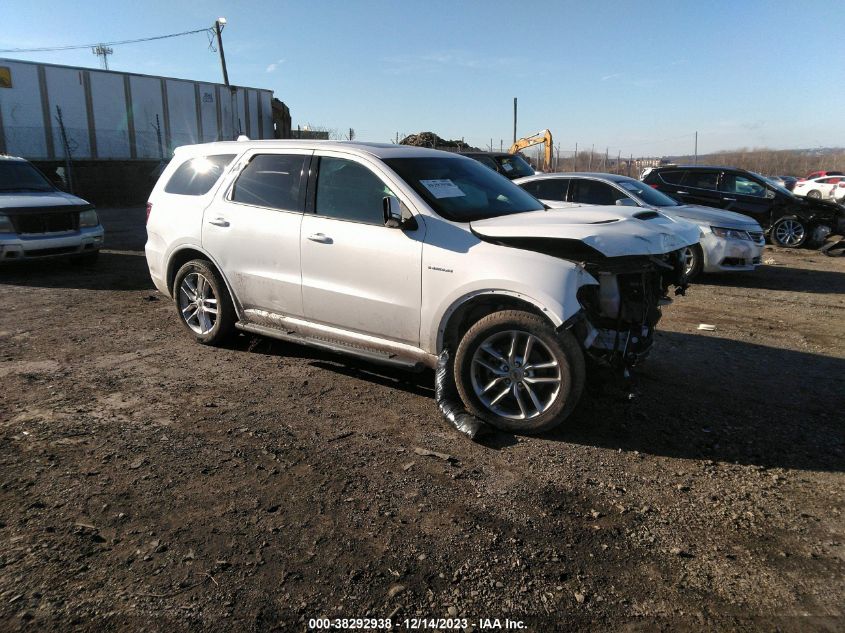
column 511, row 166
column 788, row 219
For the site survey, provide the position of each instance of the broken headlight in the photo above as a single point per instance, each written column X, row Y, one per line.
column 6, row 224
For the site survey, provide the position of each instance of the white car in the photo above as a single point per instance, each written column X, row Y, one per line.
column 818, row 188
column 729, row 242
column 396, row 253
column 38, row 221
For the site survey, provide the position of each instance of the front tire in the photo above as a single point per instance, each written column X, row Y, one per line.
column 789, row 232
column 693, row 261
column 815, row 194
column 516, row 372
column 203, row 303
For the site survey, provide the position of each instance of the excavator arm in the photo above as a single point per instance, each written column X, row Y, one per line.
column 543, row 136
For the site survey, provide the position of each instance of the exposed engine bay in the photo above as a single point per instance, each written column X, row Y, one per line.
column 622, row 311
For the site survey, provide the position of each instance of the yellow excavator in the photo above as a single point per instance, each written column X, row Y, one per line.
column 543, row 136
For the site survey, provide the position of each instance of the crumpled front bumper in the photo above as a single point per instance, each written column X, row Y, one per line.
column 14, row 247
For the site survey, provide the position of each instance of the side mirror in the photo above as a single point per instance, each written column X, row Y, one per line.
column 392, row 209
column 626, row 202
column 770, row 194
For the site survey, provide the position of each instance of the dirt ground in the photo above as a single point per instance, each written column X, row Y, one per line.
column 149, row 483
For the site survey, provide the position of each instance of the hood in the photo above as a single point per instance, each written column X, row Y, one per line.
column 30, row 201
column 612, row 231
column 711, row 216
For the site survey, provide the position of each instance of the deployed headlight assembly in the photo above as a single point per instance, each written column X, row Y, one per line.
column 87, row 219
column 6, row 224
column 732, row 233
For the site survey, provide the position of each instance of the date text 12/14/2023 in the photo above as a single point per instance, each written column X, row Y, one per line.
column 413, row 624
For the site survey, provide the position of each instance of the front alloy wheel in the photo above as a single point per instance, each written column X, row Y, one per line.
column 789, row 232
column 519, row 374
column 693, row 261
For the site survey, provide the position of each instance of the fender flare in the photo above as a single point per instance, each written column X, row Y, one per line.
column 194, row 247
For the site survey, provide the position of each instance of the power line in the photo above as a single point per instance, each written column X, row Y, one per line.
column 80, row 46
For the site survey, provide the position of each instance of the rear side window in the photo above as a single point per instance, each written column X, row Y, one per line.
column 702, row 180
column 195, row 177
column 272, row 180
column 548, row 189
column 672, row 177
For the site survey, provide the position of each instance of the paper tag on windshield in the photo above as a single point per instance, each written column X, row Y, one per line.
column 507, row 167
column 443, row 188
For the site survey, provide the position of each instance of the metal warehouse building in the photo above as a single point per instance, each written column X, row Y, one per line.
column 110, row 115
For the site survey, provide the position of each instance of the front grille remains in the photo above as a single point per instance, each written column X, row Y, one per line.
column 37, row 223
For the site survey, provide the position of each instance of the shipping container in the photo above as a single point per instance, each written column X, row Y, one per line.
column 110, row 115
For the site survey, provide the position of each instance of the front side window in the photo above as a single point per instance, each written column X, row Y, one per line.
column 349, row 191
column 734, row 183
column 461, row 189
column 702, row 179
column 271, row 180
column 547, row 188
column 196, row 176
column 594, row 192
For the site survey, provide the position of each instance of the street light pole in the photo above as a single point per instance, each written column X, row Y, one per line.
column 219, row 23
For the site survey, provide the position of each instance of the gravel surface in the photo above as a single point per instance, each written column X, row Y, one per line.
column 150, row 483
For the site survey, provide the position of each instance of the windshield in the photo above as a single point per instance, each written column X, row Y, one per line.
column 461, row 189
column 21, row 176
column 514, row 166
column 648, row 195
column 774, row 184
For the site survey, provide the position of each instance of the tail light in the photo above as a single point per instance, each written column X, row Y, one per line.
column 653, row 186
column 149, row 208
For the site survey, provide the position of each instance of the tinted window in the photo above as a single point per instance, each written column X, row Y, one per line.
column 271, row 180
column 734, row 183
column 486, row 160
column 195, row 177
column 702, row 179
column 514, row 166
column 594, row 192
column 672, row 177
column 646, row 194
column 17, row 175
column 462, row 190
column 547, row 189
column 349, row 191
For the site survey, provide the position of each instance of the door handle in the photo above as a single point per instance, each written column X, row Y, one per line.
column 322, row 238
column 683, row 193
column 219, row 222
column 729, row 199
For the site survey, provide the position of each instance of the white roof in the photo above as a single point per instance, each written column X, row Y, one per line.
column 379, row 150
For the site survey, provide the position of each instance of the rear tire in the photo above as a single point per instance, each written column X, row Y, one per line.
column 516, row 372
column 203, row 303
column 789, row 232
column 815, row 194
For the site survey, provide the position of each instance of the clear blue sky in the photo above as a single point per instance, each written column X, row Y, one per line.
column 637, row 77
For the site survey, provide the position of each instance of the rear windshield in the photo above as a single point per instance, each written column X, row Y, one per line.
column 195, row 177
column 461, row 189
column 17, row 175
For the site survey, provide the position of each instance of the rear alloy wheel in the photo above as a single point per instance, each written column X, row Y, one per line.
column 693, row 261
column 513, row 370
column 203, row 303
column 815, row 194
column 789, row 232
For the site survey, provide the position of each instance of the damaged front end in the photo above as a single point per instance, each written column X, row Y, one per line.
column 634, row 258
column 620, row 314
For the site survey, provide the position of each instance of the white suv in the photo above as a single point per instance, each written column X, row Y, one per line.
column 397, row 253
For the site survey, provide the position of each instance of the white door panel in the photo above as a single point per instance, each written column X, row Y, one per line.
column 258, row 246
column 362, row 277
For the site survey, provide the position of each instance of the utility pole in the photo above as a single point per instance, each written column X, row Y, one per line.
column 695, row 160
column 618, row 160
column 606, row 151
column 501, row 144
column 575, row 159
column 590, row 162
column 514, row 119
column 219, row 23
column 101, row 50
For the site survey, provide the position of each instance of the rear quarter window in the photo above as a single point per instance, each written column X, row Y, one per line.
column 196, row 176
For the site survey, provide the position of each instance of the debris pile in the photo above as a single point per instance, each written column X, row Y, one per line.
column 430, row 139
